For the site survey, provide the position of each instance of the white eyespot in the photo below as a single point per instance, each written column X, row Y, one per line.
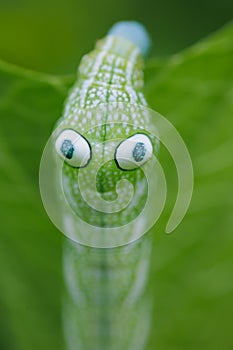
column 73, row 148
column 133, row 152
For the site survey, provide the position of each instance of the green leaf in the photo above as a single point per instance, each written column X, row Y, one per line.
column 192, row 268
column 30, row 250
column 191, row 273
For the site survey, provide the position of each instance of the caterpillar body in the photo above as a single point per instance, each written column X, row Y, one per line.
column 104, row 305
column 103, row 187
column 107, row 305
column 102, row 107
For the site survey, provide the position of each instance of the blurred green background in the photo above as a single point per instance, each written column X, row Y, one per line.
column 51, row 36
column 192, row 85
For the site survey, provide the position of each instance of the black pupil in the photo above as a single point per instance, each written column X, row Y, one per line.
column 67, row 149
column 139, row 151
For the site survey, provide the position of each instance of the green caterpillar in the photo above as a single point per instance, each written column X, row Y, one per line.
column 103, row 129
column 112, row 73
column 102, row 186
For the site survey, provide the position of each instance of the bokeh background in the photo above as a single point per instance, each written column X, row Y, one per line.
column 51, row 36
column 189, row 79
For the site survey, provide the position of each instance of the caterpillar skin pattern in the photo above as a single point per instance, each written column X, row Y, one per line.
column 105, row 305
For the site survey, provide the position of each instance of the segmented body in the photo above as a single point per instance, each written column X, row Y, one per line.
column 110, row 73
column 107, row 305
column 104, row 305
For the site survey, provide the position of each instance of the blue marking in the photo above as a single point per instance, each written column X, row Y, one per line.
column 134, row 32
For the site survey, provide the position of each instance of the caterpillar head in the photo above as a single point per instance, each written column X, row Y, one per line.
column 100, row 181
column 103, row 166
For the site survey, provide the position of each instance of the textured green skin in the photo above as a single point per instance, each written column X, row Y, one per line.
column 107, row 305
column 104, row 304
column 117, row 78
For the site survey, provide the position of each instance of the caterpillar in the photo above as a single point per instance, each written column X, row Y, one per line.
column 105, row 305
column 103, row 125
column 103, row 187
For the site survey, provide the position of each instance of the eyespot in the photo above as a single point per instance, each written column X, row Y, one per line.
column 73, row 148
column 133, row 152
